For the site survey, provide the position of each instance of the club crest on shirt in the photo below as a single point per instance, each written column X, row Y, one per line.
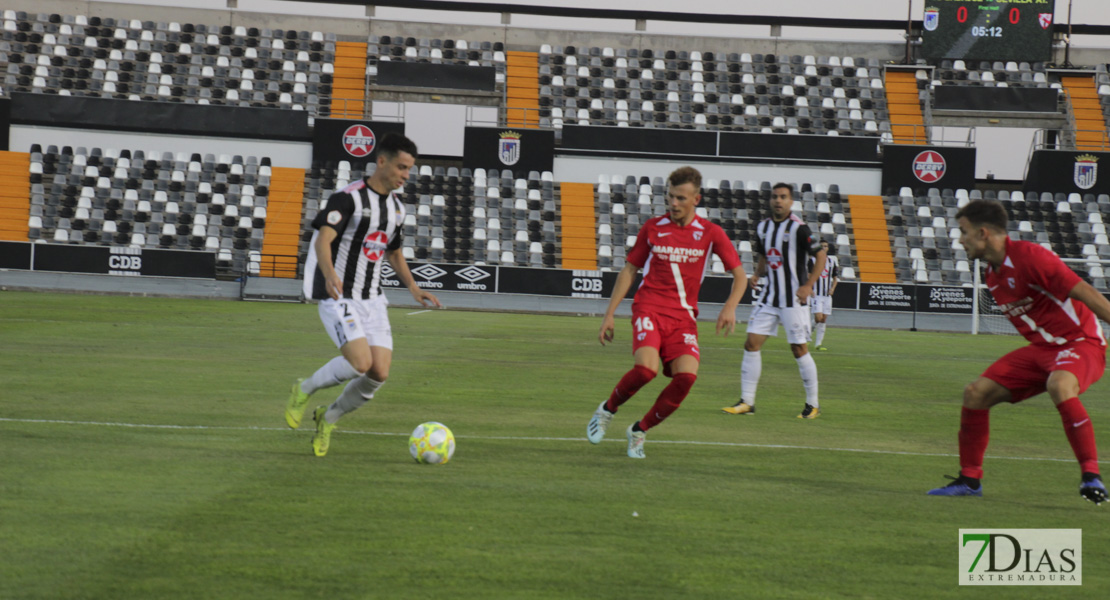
column 374, row 245
column 774, row 258
column 697, row 235
column 1010, row 281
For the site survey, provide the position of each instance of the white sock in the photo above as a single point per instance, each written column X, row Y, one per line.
column 358, row 392
column 808, row 370
column 819, row 333
column 750, row 370
column 335, row 372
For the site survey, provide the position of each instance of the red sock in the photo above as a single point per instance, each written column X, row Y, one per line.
column 1081, row 434
column 669, row 400
column 975, row 429
column 631, row 383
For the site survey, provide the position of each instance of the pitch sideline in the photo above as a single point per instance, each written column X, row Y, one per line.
column 523, row 438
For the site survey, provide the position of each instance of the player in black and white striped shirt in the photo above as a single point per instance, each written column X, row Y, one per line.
column 784, row 243
column 357, row 227
column 821, row 302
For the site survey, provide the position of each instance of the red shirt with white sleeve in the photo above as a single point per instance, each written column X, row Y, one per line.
column 1031, row 288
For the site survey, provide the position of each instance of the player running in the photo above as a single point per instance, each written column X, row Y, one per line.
column 359, row 226
column 1052, row 307
column 674, row 252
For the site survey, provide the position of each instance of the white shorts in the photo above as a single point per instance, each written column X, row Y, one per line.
column 347, row 320
column 764, row 320
column 821, row 304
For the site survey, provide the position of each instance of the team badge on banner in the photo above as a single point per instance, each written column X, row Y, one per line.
column 932, row 19
column 1045, row 20
column 1086, row 171
column 929, row 166
column 508, row 148
column 358, row 140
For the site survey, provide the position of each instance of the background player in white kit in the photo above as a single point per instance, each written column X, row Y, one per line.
column 357, row 227
column 784, row 244
column 821, row 302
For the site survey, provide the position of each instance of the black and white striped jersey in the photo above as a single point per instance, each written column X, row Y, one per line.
column 786, row 246
column 823, row 285
column 368, row 225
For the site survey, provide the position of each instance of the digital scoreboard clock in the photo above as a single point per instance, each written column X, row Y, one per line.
column 1018, row 30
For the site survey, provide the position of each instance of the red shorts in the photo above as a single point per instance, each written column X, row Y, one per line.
column 1024, row 372
column 671, row 336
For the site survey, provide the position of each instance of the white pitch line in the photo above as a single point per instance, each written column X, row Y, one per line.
column 526, row 438
column 419, row 312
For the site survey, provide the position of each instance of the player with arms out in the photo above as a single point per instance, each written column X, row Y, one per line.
column 1055, row 310
column 823, row 289
column 784, row 243
column 357, row 227
column 674, row 252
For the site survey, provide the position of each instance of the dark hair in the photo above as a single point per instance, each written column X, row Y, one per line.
column 683, row 175
column 393, row 143
column 984, row 212
column 784, row 185
column 832, row 246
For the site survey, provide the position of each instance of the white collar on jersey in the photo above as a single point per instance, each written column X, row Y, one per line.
column 696, row 222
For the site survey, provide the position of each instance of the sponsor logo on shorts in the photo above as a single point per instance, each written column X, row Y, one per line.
column 690, row 339
column 1065, row 354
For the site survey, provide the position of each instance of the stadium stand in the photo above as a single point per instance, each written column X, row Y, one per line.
column 643, row 87
column 151, row 200
column 169, row 62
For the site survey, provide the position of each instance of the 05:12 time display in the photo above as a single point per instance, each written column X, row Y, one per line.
column 986, row 32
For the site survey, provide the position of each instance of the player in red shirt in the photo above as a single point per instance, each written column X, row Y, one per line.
column 674, row 252
column 1055, row 310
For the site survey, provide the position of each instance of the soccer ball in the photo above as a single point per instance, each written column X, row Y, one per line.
column 432, row 443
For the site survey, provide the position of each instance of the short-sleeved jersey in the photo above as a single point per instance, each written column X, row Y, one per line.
column 1031, row 288
column 786, row 245
column 675, row 259
column 823, row 285
column 368, row 225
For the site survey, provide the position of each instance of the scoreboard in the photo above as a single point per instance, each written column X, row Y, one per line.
column 1019, row 30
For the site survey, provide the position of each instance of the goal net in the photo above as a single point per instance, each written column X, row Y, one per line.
column 985, row 316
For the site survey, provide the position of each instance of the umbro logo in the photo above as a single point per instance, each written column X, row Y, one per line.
column 387, row 270
column 472, row 274
column 428, row 272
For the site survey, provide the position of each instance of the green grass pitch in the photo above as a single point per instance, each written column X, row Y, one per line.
column 144, row 455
